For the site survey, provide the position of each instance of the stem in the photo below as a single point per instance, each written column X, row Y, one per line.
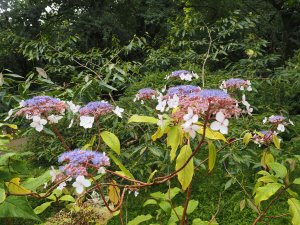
column 60, row 137
column 207, row 54
column 187, row 199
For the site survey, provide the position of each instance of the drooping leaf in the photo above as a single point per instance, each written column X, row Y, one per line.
column 41, row 208
column 266, row 158
column 120, row 165
column 151, row 176
column 213, row 135
column 247, row 138
column 276, row 141
column 17, row 207
column 173, row 140
column 212, row 155
column 111, row 140
column 142, row 119
column 114, row 193
column 294, row 208
column 265, row 192
column 278, row 168
column 140, row 219
column 14, row 187
column 185, row 176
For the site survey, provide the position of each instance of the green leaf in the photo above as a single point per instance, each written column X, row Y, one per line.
column 296, row 181
column 265, row 192
column 171, row 193
column 185, row 175
column 279, row 169
column 41, row 208
column 139, row 219
column 268, row 179
column 142, row 119
column 193, row 204
column 158, row 195
column 198, row 221
column 151, row 176
column 33, row 183
column 2, row 195
column 111, row 140
column 165, row 206
column 67, row 198
column 150, row 202
column 17, row 207
column 213, row 135
column 212, row 155
column 276, row 141
column 294, row 210
column 266, row 158
column 120, row 165
column 247, row 138
column 173, row 140
column 242, row 204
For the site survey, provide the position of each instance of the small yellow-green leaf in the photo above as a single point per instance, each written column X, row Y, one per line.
column 185, row 175
column 140, row 219
column 142, row 119
column 294, row 208
column 151, row 176
column 268, row 179
column 173, row 140
column 212, row 155
column 242, row 204
column 247, row 138
column 14, row 187
column 279, row 169
column 213, row 135
column 266, row 158
column 67, row 198
column 41, row 208
column 114, row 193
column 296, row 181
column 276, row 141
column 120, row 165
column 111, row 140
column 150, row 202
column 265, row 192
column 2, row 195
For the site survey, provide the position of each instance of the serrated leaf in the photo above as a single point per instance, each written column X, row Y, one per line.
column 213, row 135
column 114, row 193
column 139, row 219
column 41, row 208
column 247, row 138
column 111, row 140
column 294, row 208
column 265, row 192
column 278, row 168
column 173, row 140
column 17, row 207
column 212, row 155
column 14, row 187
column 276, row 141
column 142, row 119
column 185, row 176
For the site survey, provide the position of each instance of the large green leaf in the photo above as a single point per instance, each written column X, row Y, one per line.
column 174, row 139
column 265, row 192
column 16, row 206
column 111, row 140
column 278, row 168
column 140, row 219
column 120, row 165
column 41, row 208
column 185, row 175
column 33, row 183
column 294, row 210
column 142, row 119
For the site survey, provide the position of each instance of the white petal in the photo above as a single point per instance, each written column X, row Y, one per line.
column 194, row 119
column 265, row 120
column 43, row 121
column 86, row 183
column 215, row 125
column 39, row 127
column 36, row 119
column 291, row 122
column 79, row 189
column 225, row 122
column 224, row 130
column 220, row 117
column 281, row 127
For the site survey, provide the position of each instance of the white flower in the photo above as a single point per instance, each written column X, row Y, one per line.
column 54, row 119
column 161, row 105
column 190, row 116
column 118, row 111
column 21, row 103
column 191, row 129
column 242, row 88
column 81, row 183
column 281, row 127
column 136, row 193
column 173, row 102
column 187, row 77
column 160, row 121
column 61, row 186
column 142, row 102
column 38, row 123
column 265, row 120
column 249, row 88
column 87, row 121
column 249, row 110
column 221, row 123
column 245, row 103
column 9, row 114
column 74, row 108
column 291, row 122
column 195, row 75
column 102, row 170
column 164, row 89
column 45, row 185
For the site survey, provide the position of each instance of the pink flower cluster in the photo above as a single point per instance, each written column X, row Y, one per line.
column 96, row 109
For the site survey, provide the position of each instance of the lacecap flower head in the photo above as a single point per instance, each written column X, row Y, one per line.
column 183, row 75
column 236, row 83
column 145, row 94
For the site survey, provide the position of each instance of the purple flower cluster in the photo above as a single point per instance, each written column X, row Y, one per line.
column 276, row 119
column 183, row 90
column 236, row 83
column 146, row 94
column 96, row 109
column 79, row 160
column 42, row 104
column 213, row 94
column 265, row 138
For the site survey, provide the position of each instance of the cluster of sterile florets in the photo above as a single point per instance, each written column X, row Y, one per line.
column 94, row 110
column 183, row 75
column 236, row 83
column 278, row 121
column 145, row 94
column 264, row 137
column 78, row 161
column 42, row 110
